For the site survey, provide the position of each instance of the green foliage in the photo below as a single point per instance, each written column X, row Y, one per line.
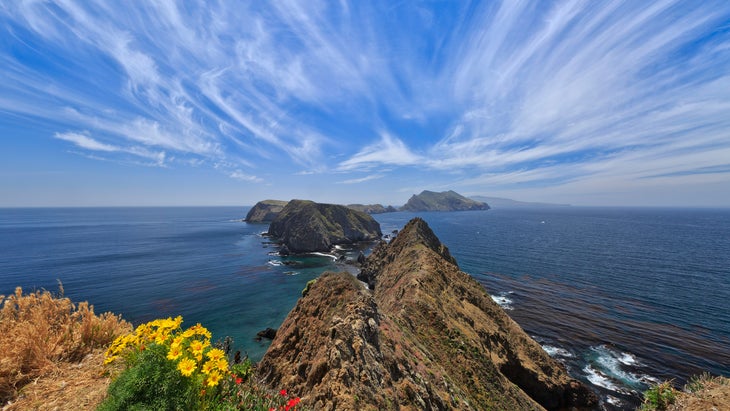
column 151, row 382
column 659, row 397
column 305, row 291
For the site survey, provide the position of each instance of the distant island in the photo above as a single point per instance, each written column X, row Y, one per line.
column 444, row 201
column 372, row 208
column 498, row 202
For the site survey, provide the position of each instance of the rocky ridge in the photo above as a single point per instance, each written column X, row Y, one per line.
column 305, row 226
column 427, row 337
column 444, row 201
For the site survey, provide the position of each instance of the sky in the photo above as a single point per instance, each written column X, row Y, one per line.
column 137, row 103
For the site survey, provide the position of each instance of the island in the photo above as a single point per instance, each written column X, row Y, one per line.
column 265, row 211
column 305, row 226
column 444, row 201
column 372, row 208
column 428, row 336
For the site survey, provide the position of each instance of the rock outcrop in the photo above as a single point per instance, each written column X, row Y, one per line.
column 427, row 337
column 372, row 208
column 444, row 201
column 305, row 226
column 265, row 211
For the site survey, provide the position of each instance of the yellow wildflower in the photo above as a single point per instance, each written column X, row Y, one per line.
column 213, row 379
column 196, row 347
column 215, row 354
column 174, row 353
column 222, row 364
column 186, row 367
column 208, row 367
column 177, row 341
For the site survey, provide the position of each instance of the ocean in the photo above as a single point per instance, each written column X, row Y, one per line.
column 624, row 297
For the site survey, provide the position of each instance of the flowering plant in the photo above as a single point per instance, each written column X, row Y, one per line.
column 171, row 368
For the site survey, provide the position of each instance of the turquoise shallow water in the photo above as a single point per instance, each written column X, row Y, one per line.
column 623, row 297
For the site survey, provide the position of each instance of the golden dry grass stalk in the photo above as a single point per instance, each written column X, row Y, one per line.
column 40, row 330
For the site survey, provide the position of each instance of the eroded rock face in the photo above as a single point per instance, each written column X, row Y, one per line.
column 265, row 211
column 306, row 226
column 428, row 337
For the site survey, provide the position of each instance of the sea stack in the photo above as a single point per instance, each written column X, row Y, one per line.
column 305, row 226
column 428, row 336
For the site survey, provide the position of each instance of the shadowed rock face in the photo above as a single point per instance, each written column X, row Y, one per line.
column 427, row 337
column 444, row 201
column 265, row 211
column 306, row 226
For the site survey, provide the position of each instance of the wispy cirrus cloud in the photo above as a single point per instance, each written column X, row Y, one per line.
column 509, row 94
column 363, row 179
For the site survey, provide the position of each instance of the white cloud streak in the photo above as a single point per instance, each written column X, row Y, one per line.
column 508, row 93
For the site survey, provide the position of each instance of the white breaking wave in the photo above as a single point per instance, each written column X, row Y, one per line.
column 600, row 379
column 275, row 263
column 607, row 370
column 557, row 351
column 503, row 301
column 334, row 257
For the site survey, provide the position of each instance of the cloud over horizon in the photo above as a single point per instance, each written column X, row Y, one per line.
column 532, row 99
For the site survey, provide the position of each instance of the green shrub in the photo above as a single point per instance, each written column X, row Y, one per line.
column 151, row 382
column 659, row 397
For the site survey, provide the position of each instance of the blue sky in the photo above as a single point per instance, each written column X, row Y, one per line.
column 227, row 103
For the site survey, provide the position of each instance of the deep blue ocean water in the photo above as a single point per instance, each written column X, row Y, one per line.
column 624, row 297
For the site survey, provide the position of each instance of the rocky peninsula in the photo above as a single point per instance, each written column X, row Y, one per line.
column 444, row 201
column 428, row 336
column 305, row 226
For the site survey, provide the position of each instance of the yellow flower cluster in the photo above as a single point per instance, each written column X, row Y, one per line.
column 190, row 349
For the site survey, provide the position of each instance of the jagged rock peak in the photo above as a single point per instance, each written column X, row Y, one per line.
column 415, row 234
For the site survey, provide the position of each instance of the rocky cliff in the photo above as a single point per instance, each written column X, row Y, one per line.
column 306, row 226
column 444, row 201
column 265, row 211
column 427, row 337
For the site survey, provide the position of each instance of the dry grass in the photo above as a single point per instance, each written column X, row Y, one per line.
column 704, row 393
column 39, row 331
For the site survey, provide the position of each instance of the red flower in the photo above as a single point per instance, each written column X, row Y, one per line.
column 292, row 403
column 283, row 393
column 239, row 380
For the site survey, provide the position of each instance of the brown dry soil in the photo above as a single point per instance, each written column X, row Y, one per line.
column 715, row 396
column 80, row 386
